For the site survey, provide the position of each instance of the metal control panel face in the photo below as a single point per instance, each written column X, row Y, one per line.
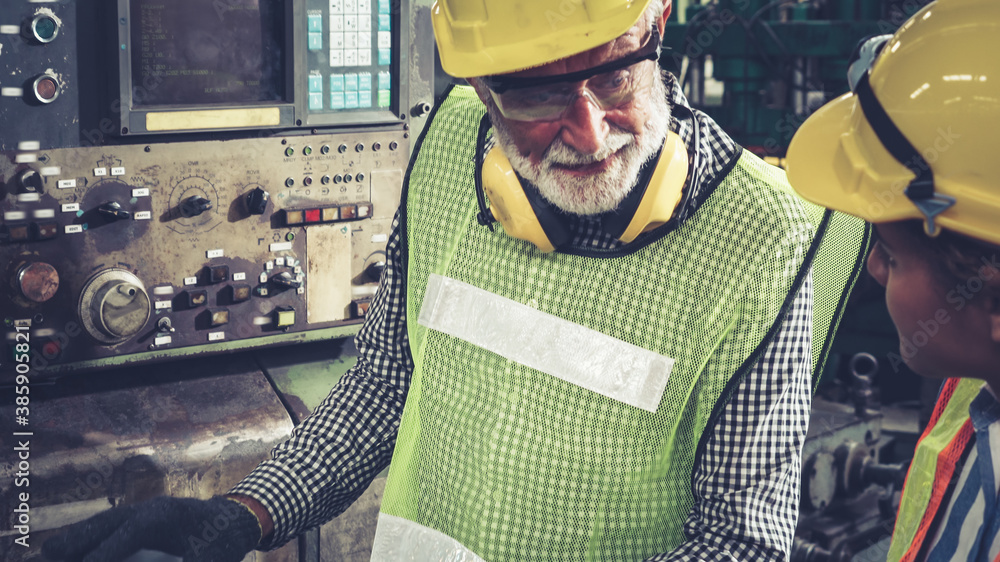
column 137, row 249
column 199, row 177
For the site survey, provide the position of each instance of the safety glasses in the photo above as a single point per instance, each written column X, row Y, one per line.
column 607, row 86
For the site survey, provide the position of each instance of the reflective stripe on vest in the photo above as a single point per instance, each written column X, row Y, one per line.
column 942, row 445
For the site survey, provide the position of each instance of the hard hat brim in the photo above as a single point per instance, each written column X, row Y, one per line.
column 827, row 166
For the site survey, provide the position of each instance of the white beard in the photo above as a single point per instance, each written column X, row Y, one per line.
column 599, row 192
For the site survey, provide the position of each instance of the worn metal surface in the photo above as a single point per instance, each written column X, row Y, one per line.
column 191, row 428
column 350, row 536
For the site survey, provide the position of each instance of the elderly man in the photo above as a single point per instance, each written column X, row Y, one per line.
column 621, row 372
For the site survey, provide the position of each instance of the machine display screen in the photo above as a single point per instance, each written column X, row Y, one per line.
column 193, row 52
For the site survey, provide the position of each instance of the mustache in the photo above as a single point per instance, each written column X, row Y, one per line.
column 560, row 153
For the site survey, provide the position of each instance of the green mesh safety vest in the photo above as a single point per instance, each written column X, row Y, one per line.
column 497, row 460
column 935, row 464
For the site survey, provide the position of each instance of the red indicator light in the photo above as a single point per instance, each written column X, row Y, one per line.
column 312, row 215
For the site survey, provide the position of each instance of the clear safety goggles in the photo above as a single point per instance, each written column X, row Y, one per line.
column 545, row 98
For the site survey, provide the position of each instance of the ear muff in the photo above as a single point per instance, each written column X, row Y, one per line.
column 658, row 198
column 512, row 208
column 525, row 215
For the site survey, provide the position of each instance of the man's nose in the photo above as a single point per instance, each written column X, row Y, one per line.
column 583, row 125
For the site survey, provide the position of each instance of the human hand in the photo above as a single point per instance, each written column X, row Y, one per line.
column 215, row 530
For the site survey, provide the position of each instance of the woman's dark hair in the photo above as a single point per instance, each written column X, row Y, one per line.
column 964, row 257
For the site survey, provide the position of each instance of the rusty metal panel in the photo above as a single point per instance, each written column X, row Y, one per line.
column 112, row 442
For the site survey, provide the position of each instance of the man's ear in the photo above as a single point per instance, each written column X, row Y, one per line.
column 480, row 89
column 662, row 21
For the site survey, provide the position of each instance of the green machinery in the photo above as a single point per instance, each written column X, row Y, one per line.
column 777, row 61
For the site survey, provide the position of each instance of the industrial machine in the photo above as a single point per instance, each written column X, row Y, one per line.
column 182, row 185
column 760, row 67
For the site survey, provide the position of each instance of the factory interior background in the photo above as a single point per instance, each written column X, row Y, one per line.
column 187, row 281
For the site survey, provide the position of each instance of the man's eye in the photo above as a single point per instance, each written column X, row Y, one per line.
column 532, row 97
column 612, row 81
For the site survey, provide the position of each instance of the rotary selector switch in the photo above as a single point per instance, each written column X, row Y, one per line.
column 256, row 200
column 30, row 181
column 194, row 206
column 113, row 211
column 114, row 306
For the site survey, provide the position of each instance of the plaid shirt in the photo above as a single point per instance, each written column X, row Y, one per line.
column 745, row 485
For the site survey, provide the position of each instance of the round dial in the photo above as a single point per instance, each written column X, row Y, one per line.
column 114, row 306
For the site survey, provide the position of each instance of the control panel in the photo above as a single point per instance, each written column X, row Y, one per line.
column 129, row 249
column 194, row 177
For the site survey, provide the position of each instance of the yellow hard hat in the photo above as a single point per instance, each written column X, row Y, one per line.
column 484, row 37
column 918, row 136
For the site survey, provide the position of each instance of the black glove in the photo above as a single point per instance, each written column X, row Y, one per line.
column 215, row 530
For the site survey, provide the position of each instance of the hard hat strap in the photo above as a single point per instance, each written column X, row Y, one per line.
column 921, row 190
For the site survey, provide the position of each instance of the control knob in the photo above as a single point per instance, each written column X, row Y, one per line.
column 194, row 206
column 286, row 280
column 256, row 201
column 30, row 181
column 114, row 306
column 112, row 210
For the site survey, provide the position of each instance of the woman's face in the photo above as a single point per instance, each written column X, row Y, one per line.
column 944, row 331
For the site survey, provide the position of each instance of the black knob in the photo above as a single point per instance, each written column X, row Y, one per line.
column 421, row 109
column 31, row 181
column 194, row 206
column 113, row 210
column 257, row 201
column 375, row 269
column 286, row 280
